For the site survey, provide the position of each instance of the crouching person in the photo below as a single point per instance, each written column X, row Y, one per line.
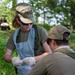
column 62, row 60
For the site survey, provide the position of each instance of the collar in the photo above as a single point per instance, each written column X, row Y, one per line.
column 66, row 47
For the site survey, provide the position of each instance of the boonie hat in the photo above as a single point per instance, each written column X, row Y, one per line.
column 25, row 12
column 57, row 32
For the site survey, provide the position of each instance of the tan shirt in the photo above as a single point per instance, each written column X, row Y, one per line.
column 55, row 64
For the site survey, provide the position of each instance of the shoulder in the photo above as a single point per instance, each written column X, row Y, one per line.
column 16, row 31
column 41, row 30
column 13, row 33
column 38, row 27
column 55, row 55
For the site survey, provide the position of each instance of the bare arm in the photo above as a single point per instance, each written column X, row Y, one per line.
column 8, row 55
column 47, row 51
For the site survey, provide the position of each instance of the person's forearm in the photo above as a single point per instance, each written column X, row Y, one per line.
column 8, row 55
column 37, row 58
column 8, row 58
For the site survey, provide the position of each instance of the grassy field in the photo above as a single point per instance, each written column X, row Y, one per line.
column 6, row 68
column 72, row 40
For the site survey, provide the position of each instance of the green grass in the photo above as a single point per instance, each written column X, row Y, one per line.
column 72, row 40
column 6, row 68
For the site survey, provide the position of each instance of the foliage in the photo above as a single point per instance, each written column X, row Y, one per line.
column 7, row 10
column 72, row 40
column 61, row 10
column 5, row 68
column 47, row 9
column 46, row 26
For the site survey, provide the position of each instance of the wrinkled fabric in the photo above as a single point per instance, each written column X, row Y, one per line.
column 25, row 49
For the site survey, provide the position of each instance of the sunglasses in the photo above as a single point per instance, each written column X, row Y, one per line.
column 26, row 24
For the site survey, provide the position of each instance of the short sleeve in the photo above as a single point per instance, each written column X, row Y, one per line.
column 42, row 34
column 10, row 43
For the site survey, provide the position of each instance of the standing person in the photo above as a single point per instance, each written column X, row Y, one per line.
column 62, row 60
column 28, row 39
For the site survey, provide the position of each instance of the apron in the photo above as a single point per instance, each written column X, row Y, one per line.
column 25, row 49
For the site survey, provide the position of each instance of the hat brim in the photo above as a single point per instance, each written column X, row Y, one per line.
column 24, row 20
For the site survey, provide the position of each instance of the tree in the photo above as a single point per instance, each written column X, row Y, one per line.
column 72, row 11
column 7, row 9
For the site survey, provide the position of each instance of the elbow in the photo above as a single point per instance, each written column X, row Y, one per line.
column 7, row 59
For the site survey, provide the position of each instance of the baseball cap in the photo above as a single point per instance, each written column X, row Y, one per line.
column 25, row 12
column 57, row 32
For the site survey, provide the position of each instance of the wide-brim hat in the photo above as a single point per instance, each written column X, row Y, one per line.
column 25, row 12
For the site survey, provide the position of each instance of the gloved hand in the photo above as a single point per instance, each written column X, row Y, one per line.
column 16, row 61
column 29, row 60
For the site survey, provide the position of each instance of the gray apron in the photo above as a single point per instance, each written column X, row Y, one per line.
column 25, row 49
